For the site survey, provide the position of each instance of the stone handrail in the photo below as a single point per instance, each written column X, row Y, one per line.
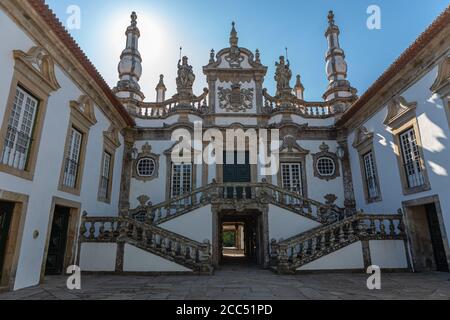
column 290, row 254
column 239, row 195
column 167, row 244
column 161, row 110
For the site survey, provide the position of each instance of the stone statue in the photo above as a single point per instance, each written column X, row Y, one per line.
column 186, row 76
column 283, row 75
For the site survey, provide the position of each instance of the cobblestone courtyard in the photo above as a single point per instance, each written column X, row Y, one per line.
column 237, row 283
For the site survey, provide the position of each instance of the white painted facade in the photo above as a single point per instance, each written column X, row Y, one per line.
column 312, row 132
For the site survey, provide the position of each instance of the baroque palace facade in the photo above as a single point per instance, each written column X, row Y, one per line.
column 87, row 175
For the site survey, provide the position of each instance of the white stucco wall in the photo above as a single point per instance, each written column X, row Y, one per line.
column 284, row 224
column 50, row 157
column 434, row 133
column 195, row 225
column 138, row 260
column 349, row 257
column 98, row 257
column 388, row 254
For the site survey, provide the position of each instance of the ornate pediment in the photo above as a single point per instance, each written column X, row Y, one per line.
column 40, row 63
column 399, row 111
column 362, row 136
column 290, row 145
column 84, row 108
column 443, row 78
column 235, row 99
column 111, row 137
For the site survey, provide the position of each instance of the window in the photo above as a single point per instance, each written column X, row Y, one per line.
column 18, row 139
column 105, row 178
column 411, row 159
column 146, row 167
column 326, row 166
column 72, row 160
column 370, row 176
column 181, row 179
column 291, row 177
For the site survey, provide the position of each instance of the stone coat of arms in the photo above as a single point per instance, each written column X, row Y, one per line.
column 235, row 99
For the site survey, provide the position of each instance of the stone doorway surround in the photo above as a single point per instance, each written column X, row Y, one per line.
column 15, row 236
column 71, row 252
column 408, row 207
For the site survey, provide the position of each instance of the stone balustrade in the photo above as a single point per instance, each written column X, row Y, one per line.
column 291, row 104
column 239, row 196
column 172, row 246
column 161, row 110
column 290, row 254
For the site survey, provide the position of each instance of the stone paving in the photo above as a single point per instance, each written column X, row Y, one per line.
column 242, row 283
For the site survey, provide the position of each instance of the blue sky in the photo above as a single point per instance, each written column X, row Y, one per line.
column 200, row 25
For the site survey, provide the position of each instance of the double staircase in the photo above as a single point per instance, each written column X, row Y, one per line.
column 141, row 226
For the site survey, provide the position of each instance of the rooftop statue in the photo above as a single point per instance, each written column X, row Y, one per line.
column 186, row 76
column 283, row 75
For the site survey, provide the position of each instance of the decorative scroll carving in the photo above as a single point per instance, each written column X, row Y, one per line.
column 399, row 111
column 362, row 137
column 443, row 78
column 39, row 61
column 84, row 107
column 290, row 145
column 236, row 98
column 111, row 137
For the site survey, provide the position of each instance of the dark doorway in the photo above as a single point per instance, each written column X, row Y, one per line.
column 240, row 238
column 6, row 212
column 426, row 240
column 440, row 257
column 58, row 241
column 236, row 169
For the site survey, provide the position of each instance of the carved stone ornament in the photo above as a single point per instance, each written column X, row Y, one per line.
column 39, row 62
column 283, row 75
column 146, row 154
column 111, row 137
column 186, row 76
column 362, row 137
column 328, row 157
column 399, row 111
column 84, row 107
column 443, row 78
column 290, row 145
column 236, row 98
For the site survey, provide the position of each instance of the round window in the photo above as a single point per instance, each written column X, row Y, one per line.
column 146, row 167
column 326, row 166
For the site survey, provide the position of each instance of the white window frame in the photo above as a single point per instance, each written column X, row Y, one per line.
column 18, row 140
